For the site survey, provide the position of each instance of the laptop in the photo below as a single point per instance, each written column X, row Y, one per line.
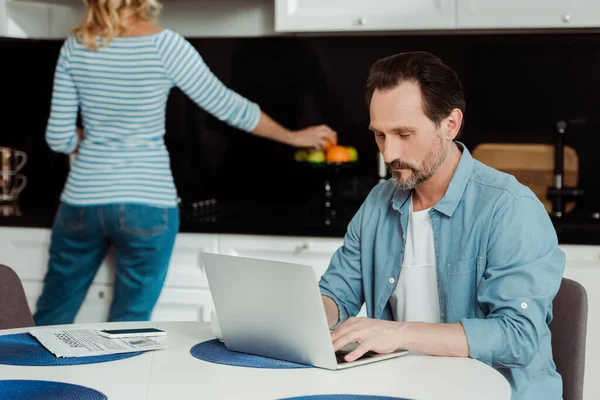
column 274, row 309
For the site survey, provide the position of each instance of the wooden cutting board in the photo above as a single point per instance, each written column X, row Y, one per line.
column 532, row 165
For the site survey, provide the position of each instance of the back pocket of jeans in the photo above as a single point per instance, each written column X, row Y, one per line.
column 143, row 220
column 70, row 217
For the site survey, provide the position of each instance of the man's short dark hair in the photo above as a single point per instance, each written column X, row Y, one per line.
column 441, row 90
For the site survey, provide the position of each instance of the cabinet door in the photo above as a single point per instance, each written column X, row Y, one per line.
column 583, row 266
column 176, row 304
column 185, row 268
column 314, row 252
column 528, row 13
column 94, row 308
column 185, row 295
column 363, row 15
column 25, row 250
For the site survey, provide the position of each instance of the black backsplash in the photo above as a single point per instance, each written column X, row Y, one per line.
column 517, row 87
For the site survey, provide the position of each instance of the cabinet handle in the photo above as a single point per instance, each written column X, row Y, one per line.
column 101, row 294
column 299, row 249
column 567, row 18
column 362, row 21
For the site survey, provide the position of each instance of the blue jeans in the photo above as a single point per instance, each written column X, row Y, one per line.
column 143, row 238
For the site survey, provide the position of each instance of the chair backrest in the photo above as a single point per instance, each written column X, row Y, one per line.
column 568, row 329
column 14, row 310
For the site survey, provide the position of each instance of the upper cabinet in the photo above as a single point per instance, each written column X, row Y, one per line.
column 53, row 19
column 367, row 15
column 402, row 15
column 515, row 14
column 39, row 19
column 3, row 18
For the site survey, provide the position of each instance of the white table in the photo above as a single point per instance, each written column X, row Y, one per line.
column 174, row 373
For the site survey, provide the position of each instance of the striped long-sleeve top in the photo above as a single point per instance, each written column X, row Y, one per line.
column 122, row 90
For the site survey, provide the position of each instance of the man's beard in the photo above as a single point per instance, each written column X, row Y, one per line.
column 433, row 159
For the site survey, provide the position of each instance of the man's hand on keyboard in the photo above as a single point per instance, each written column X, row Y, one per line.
column 371, row 334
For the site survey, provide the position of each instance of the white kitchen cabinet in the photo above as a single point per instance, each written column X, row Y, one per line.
column 363, row 15
column 3, row 18
column 514, row 14
column 583, row 266
column 39, row 19
column 94, row 308
column 185, row 295
column 53, row 19
column 26, row 251
column 185, row 269
column 177, row 304
column 314, row 252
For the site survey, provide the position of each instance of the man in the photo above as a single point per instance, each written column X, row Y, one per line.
column 450, row 257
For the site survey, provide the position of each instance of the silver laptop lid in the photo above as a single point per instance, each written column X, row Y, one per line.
column 270, row 308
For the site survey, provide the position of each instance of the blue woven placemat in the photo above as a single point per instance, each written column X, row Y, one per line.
column 46, row 390
column 345, row 397
column 24, row 350
column 215, row 352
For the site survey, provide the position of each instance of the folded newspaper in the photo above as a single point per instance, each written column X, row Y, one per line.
column 87, row 342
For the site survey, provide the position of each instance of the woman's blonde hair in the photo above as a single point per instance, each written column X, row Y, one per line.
column 109, row 18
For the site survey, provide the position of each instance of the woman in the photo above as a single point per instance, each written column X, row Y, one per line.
column 119, row 67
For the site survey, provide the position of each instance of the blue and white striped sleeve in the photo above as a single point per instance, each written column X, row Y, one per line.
column 188, row 71
column 61, row 133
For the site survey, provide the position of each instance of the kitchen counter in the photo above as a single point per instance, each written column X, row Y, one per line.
column 261, row 219
column 285, row 220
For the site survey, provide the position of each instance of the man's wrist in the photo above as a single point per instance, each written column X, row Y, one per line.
column 402, row 333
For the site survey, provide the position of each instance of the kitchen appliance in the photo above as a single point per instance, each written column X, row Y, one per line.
column 12, row 182
column 560, row 193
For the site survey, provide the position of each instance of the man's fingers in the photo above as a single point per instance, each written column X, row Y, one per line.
column 358, row 352
column 356, row 334
column 352, row 337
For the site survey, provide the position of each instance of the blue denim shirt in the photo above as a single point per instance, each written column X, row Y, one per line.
column 498, row 267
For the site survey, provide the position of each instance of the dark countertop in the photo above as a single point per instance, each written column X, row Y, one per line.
column 261, row 219
column 284, row 220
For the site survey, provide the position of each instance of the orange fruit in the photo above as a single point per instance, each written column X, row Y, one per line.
column 338, row 154
column 329, row 144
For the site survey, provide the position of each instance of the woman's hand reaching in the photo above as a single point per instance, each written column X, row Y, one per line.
column 314, row 137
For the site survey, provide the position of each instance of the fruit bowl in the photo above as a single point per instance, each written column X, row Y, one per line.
column 331, row 156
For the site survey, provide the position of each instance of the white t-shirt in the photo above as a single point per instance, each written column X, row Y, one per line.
column 415, row 297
